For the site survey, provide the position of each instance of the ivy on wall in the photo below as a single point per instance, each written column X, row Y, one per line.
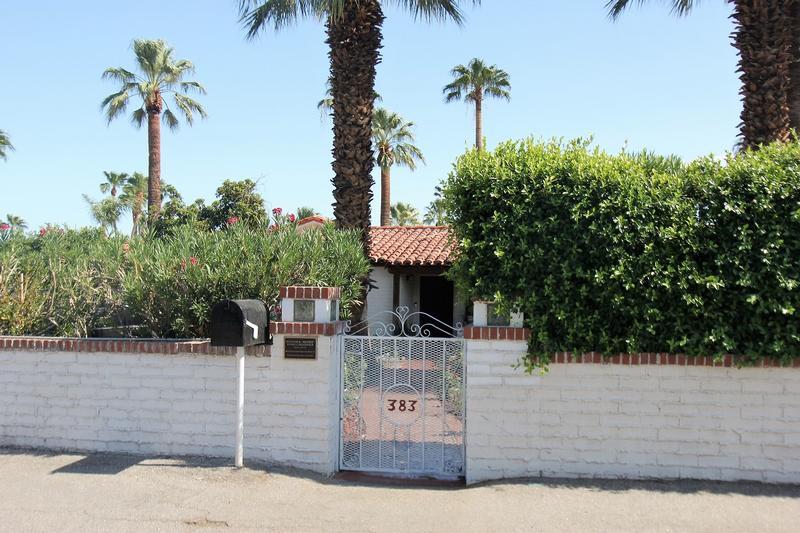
column 633, row 252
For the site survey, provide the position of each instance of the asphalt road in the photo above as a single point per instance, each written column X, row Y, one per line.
column 40, row 491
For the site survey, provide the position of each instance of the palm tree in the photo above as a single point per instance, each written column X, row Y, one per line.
column 393, row 138
column 473, row 83
column 16, row 223
column 160, row 74
column 404, row 215
column 133, row 194
column 354, row 38
column 5, row 145
column 114, row 181
column 434, row 213
column 767, row 39
column 106, row 212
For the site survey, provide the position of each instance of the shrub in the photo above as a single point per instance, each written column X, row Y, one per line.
column 71, row 282
column 633, row 252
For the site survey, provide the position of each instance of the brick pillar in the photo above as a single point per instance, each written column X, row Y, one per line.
column 305, row 352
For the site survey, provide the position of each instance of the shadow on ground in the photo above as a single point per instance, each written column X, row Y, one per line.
column 116, row 463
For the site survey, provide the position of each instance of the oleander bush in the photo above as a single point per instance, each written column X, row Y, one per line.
column 71, row 282
column 633, row 252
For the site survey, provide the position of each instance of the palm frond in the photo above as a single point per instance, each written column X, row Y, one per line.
column 477, row 79
column 187, row 86
column 169, row 118
column 161, row 73
column 138, row 117
column 256, row 15
column 435, row 9
column 119, row 74
column 189, row 107
column 5, row 145
column 678, row 7
column 115, row 104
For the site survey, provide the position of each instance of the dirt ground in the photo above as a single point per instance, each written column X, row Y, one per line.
column 41, row 491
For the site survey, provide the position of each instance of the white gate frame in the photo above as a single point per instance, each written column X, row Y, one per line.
column 403, row 324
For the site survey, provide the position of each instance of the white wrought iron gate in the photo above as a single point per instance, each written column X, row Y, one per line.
column 403, row 397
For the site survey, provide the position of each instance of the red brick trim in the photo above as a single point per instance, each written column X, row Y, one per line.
column 661, row 359
column 311, row 293
column 157, row 346
column 501, row 333
column 306, row 328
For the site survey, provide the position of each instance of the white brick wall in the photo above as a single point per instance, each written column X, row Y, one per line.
column 590, row 420
column 173, row 404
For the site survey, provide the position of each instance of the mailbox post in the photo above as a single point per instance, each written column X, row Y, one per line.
column 239, row 323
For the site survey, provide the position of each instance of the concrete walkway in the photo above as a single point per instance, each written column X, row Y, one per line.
column 40, row 491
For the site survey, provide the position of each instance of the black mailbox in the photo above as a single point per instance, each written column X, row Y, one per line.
column 239, row 323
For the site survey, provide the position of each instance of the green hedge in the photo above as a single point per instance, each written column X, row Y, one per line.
column 68, row 283
column 634, row 252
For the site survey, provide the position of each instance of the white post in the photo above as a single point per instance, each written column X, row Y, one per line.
column 239, row 459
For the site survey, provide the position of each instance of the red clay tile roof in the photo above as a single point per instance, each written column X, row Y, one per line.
column 411, row 245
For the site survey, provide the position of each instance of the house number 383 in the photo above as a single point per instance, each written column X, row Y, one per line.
column 402, row 405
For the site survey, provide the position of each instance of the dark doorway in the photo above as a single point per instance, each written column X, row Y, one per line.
column 436, row 299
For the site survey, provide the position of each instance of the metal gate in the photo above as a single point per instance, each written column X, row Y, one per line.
column 403, row 396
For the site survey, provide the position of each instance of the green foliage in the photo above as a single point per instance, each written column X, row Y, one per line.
column 236, row 199
column 394, row 140
column 435, row 213
column 477, row 80
column 305, row 212
column 160, row 74
column 633, row 252
column 58, row 283
column 404, row 215
column 71, row 282
column 5, row 145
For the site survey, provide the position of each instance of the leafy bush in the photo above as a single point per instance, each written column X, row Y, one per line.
column 71, row 282
column 634, row 252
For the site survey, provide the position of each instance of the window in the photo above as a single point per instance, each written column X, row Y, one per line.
column 304, row 310
column 495, row 319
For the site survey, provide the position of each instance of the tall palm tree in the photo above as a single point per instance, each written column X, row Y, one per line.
column 5, row 145
column 404, row 215
column 114, row 181
column 16, row 223
column 354, row 38
column 134, row 192
column 767, row 39
column 473, row 82
column 160, row 75
column 394, row 145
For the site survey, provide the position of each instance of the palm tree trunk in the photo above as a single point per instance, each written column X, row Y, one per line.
column 355, row 42
column 794, row 69
column 764, row 41
column 154, row 167
column 386, row 200
column 479, row 123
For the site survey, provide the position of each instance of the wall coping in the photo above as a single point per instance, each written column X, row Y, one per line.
column 665, row 359
column 131, row 346
column 501, row 333
column 328, row 329
column 311, row 293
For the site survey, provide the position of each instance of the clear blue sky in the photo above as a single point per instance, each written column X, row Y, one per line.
column 650, row 80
